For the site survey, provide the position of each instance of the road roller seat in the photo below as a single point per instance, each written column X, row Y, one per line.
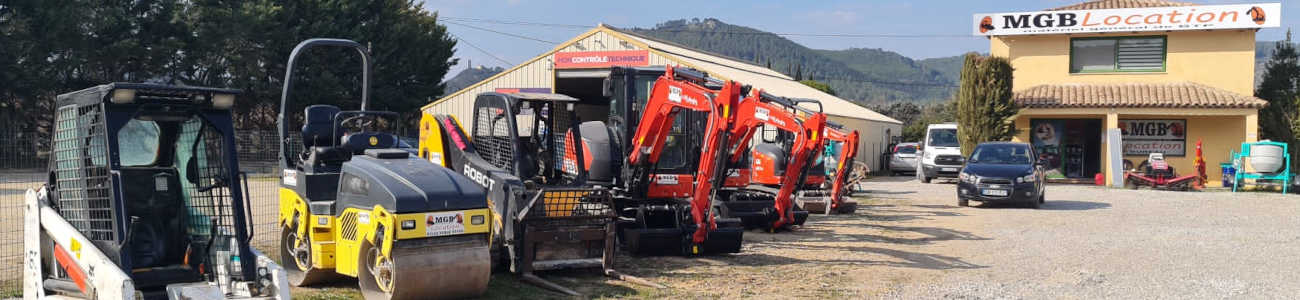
column 321, row 139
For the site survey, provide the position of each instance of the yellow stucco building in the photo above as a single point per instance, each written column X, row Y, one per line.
column 1164, row 86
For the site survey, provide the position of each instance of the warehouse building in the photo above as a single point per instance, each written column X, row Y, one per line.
column 578, row 68
column 1102, row 84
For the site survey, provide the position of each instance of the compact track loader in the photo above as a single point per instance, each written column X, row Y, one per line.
column 353, row 205
column 144, row 200
column 545, row 221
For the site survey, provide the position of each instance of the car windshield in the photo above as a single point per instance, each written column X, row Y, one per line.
column 909, row 149
column 943, row 138
column 1001, row 155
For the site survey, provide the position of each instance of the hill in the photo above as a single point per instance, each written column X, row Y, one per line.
column 861, row 75
column 469, row 77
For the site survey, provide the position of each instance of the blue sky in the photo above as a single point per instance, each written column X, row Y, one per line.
column 948, row 17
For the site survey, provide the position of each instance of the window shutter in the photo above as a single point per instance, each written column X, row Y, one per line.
column 1140, row 54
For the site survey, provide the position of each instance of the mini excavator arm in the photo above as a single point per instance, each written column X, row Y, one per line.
column 847, row 153
column 671, row 94
column 759, row 109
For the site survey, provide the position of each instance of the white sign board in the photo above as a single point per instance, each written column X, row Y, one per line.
column 1142, row 148
column 1202, row 17
column 444, row 223
column 1142, row 137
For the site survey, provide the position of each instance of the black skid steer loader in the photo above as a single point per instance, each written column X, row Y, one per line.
column 543, row 220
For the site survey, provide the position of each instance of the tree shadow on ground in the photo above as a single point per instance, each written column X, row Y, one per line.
column 887, row 212
column 1064, row 205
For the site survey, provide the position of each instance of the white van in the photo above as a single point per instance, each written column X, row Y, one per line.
column 940, row 153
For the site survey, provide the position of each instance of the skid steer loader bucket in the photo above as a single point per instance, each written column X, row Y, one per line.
column 567, row 228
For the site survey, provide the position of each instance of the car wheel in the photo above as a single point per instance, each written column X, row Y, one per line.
column 962, row 202
column 1035, row 203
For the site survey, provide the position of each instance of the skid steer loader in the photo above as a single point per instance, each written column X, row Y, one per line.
column 144, row 200
column 353, row 205
column 515, row 152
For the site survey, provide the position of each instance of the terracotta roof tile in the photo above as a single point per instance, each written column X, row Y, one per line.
column 1161, row 95
column 1111, row 4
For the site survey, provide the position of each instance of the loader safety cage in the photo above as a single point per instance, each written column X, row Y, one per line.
column 133, row 161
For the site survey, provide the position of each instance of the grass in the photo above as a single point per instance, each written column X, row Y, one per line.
column 11, row 289
column 508, row 286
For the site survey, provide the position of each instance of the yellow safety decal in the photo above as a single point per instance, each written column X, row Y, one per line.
column 76, row 248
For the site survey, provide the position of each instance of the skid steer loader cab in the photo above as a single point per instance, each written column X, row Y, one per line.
column 515, row 150
column 145, row 199
column 352, row 203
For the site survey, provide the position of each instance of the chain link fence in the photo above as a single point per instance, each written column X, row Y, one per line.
column 23, row 160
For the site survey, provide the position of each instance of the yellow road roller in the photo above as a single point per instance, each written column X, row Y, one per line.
column 354, row 204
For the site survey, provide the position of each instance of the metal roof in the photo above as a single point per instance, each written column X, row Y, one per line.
column 762, row 78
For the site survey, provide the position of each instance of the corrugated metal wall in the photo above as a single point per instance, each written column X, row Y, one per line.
column 873, row 138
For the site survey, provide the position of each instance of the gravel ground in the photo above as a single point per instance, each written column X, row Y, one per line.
column 910, row 241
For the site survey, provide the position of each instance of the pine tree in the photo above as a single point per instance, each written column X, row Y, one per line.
column 1280, row 86
column 984, row 106
column 798, row 73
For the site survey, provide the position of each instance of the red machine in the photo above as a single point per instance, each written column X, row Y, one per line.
column 767, row 206
column 663, row 211
column 844, row 165
column 1158, row 174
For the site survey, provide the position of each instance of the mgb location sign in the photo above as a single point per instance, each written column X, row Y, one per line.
column 601, row 59
column 1203, row 17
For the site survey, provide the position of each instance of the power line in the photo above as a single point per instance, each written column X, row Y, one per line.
column 505, row 22
column 848, row 35
column 489, row 54
column 502, row 33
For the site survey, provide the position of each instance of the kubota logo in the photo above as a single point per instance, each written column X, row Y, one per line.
column 675, row 94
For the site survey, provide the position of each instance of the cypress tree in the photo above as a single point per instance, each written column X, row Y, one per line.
column 1280, row 86
column 984, row 106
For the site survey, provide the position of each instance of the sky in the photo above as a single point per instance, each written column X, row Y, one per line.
column 944, row 26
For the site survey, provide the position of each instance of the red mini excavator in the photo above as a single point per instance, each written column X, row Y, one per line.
column 660, row 154
column 847, row 144
column 771, row 207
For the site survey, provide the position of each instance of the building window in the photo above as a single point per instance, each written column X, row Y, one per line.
column 1118, row 54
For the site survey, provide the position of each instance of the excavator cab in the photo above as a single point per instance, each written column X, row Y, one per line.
column 354, row 205
column 145, row 200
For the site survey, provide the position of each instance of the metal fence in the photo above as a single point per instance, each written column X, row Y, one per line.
column 23, row 160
